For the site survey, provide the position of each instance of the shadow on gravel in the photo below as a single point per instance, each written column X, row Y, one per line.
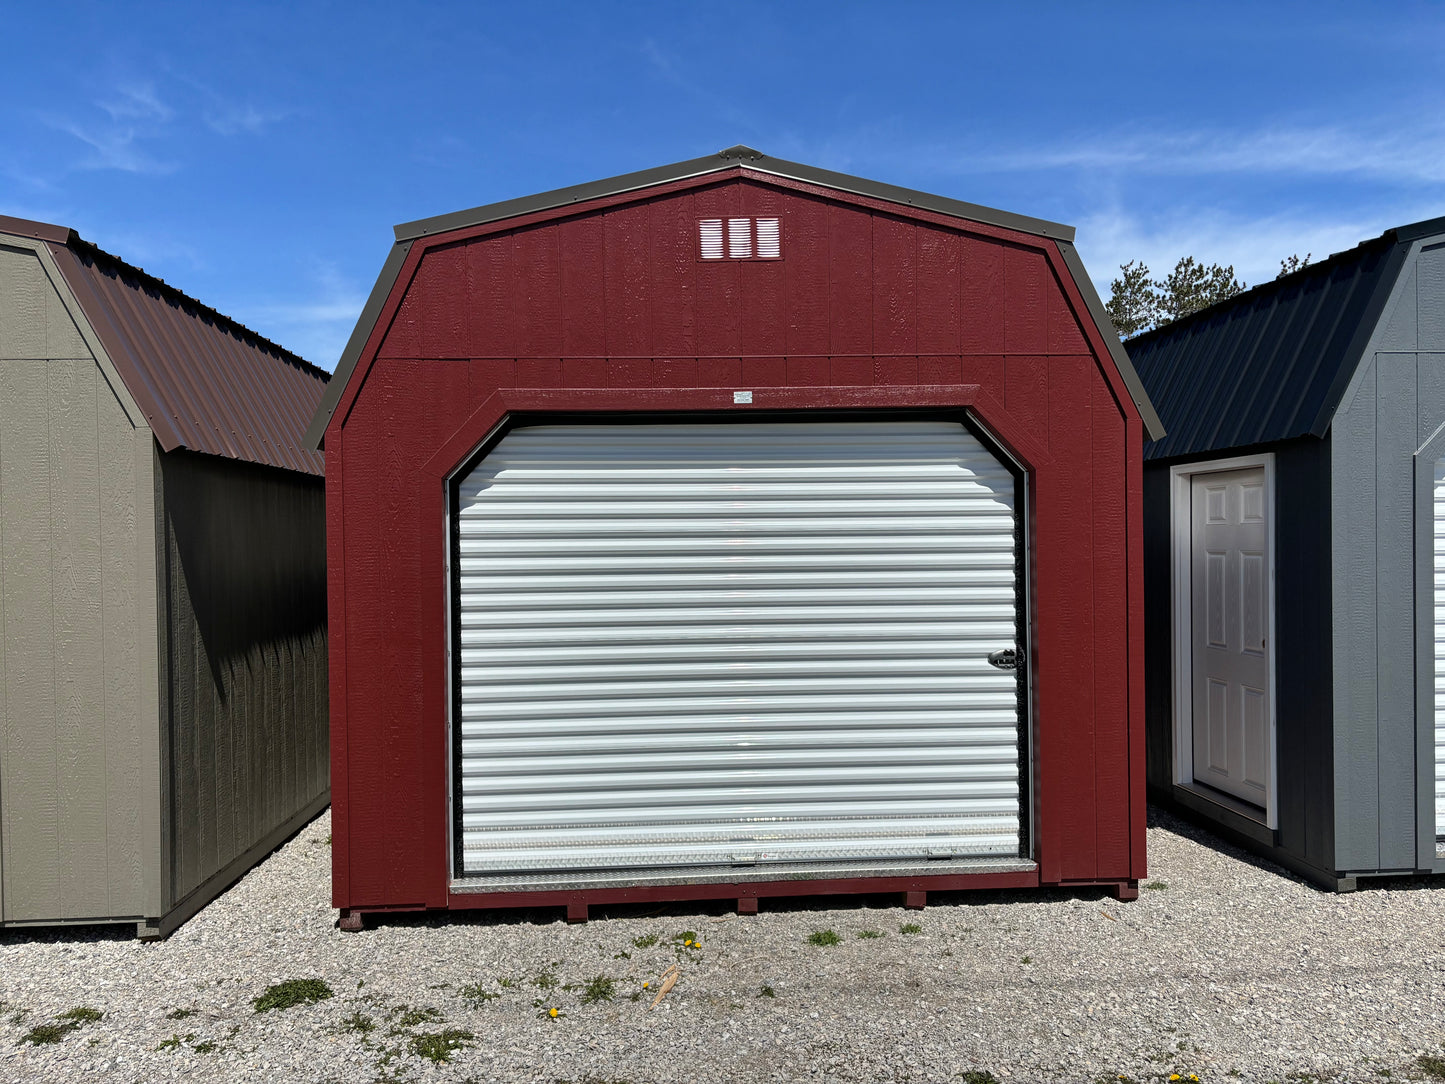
column 68, row 935
column 1184, row 826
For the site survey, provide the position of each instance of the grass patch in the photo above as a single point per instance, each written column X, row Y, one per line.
column 645, row 941
column 767, row 991
column 1432, row 1065
column 180, row 1014
column 545, row 981
column 908, row 929
column 506, row 983
column 205, row 1046
column 477, row 993
column 358, row 1021
column 824, row 938
column 292, row 992
column 407, row 1017
column 174, row 1042
column 1027, row 960
column 869, row 935
column 599, row 989
column 439, row 1046
column 978, row 1076
column 1157, row 886
column 58, row 1029
column 41, row 1034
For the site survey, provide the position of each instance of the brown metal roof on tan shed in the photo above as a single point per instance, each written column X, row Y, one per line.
column 204, row 382
column 162, row 591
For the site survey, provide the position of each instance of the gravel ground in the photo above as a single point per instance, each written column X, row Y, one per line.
column 1232, row 971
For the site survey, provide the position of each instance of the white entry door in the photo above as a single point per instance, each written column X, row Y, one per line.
column 1230, row 574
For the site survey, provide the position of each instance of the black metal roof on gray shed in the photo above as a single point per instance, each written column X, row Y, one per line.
column 1270, row 363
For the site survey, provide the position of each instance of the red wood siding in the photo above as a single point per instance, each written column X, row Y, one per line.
column 614, row 296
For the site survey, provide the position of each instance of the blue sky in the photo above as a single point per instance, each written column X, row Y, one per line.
column 257, row 156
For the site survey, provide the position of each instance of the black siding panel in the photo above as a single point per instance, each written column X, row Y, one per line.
column 245, row 624
column 1303, row 672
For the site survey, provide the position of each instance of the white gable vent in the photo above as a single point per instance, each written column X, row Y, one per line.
column 747, row 239
column 770, row 245
column 710, row 233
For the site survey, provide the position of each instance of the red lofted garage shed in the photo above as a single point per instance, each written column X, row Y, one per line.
column 728, row 530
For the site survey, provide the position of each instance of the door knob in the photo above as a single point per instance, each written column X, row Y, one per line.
column 1005, row 659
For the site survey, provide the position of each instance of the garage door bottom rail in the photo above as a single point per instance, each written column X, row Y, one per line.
column 914, row 886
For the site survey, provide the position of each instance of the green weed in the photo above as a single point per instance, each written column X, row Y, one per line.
column 869, row 935
column 645, row 941
column 599, row 989
column 824, row 938
column 439, row 1046
column 910, row 928
column 292, row 992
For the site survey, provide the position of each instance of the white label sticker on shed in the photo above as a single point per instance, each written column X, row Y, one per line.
column 742, row 397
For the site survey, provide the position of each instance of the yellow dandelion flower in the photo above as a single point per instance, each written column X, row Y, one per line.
column 645, row 985
column 1173, row 1076
column 553, row 1013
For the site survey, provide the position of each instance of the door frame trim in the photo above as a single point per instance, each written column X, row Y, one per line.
column 1181, row 478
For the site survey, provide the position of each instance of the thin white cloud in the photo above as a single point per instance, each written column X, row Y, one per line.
column 135, row 114
column 1253, row 245
column 1410, row 153
column 315, row 326
column 231, row 120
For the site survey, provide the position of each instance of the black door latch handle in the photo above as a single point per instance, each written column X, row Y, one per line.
column 1005, row 659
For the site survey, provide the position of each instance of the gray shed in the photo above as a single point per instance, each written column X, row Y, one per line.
column 162, row 592
column 1294, row 539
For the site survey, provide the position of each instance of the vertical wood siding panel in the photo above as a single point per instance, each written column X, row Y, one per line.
column 1158, row 563
column 1430, row 299
column 1352, row 536
column 850, row 297
column 1026, row 395
column 676, row 372
column 79, row 637
column 371, row 558
column 1113, row 667
column 492, row 297
column 674, row 246
column 23, row 307
column 764, row 301
column 1065, row 336
column 584, row 314
column 338, row 666
column 629, row 302
column 1395, row 587
column 537, row 257
column 538, row 372
column 30, row 789
column 185, row 665
column 808, row 371
column 1070, row 439
column 444, row 286
column 403, row 337
column 940, row 309
column 939, row 317
column 982, row 289
column 719, row 300
column 988, row 372
column 1026, row 282
column 895, row 301
column 805, row 252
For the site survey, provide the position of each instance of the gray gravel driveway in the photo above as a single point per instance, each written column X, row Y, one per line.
column 1225, row 968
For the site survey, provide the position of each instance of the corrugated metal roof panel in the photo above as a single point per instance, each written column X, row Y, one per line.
column 1269, row 364
column 205, row 382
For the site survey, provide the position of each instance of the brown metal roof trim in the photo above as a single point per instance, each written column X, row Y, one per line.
column 730, row 158
column 205, row 382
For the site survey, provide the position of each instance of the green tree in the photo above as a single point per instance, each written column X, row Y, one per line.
column 1191, row 286
column 1133, row 302
column 1138, row 303
column 1292, row 264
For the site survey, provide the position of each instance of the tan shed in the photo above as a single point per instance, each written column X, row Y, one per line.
column 162, row 592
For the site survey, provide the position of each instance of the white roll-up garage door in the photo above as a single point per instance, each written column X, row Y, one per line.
column 762, row 647
column 1439, row 675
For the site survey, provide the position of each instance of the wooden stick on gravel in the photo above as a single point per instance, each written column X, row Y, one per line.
column 669, row 980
